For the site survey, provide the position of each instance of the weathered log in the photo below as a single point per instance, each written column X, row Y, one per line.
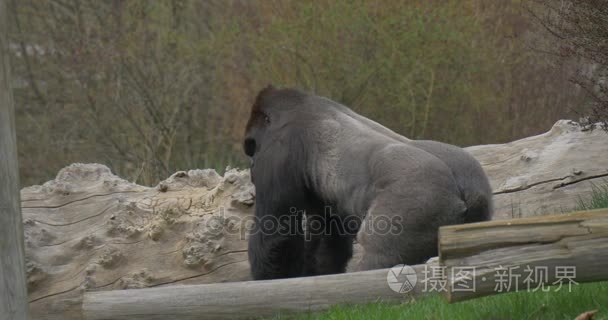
column 507, row 255
column 13, row 293
column 545, row 174
column 245, row 300
column 91, row 230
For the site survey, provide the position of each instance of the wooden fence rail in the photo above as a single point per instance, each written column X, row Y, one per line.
column 239, row 300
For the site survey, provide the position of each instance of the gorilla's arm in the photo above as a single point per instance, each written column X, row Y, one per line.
column 329, row 243
column 273, row 255
column 276, row 242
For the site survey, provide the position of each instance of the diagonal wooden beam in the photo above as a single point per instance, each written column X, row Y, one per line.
column 514, row 250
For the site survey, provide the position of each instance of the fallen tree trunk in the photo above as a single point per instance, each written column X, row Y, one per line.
column 545, row 174
column 245, row 300
column 91, row 230
column 524, row 254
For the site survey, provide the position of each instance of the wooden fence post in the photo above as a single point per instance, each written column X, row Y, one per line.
column 13, row 292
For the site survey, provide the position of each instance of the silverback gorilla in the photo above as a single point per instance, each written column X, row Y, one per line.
column 352, row 179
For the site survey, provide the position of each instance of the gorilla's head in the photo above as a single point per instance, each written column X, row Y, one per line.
column 271, row 112
column 258, row 123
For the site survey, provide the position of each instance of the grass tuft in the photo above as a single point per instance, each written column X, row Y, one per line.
column 599, row 198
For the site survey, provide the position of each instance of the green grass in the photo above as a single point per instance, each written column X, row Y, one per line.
column 515, row 305
column 599, row 198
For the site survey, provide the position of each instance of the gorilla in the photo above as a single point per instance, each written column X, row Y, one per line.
column 351, row 179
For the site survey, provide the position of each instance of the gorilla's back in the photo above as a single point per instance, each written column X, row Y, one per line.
column 468, row 173
column 470, row 177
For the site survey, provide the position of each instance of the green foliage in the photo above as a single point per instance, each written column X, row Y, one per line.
column 412, row 65
column 129, row 85
column 151, row 87
column 598, row 199
column 578, row 33
column 515, row 305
